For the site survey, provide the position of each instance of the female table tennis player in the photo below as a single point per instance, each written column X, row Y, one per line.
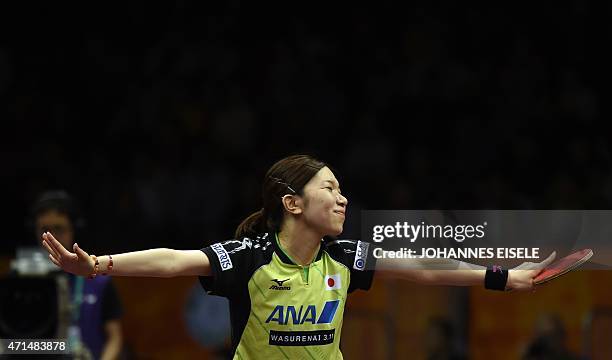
column 286, row 286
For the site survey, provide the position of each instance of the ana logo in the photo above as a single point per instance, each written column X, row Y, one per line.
column 332, row 282
column 279, row 285
column 306, row 314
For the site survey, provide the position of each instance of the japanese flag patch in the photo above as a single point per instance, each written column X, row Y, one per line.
column 332, row 282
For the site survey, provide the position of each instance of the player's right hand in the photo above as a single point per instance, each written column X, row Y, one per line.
column 77, row 262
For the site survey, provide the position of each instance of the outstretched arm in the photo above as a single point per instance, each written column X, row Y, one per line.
column 458, row 273
column 147, row 263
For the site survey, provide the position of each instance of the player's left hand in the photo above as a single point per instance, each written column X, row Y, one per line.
column 520, row 278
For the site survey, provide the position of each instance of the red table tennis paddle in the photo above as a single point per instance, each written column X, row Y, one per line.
column 563, row 266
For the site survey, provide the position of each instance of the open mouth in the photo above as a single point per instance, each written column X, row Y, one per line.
column 340, row 213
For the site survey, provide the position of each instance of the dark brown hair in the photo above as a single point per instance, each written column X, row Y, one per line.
column 287, row 176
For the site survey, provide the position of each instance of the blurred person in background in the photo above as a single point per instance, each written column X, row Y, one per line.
column 96, row 308
column 440, row 340
column 549, row 340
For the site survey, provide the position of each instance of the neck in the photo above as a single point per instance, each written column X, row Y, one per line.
column 300, row 242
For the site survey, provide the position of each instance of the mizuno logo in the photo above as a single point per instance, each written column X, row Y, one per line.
column 279, row 285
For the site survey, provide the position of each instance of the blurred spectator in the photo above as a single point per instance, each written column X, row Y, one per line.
column 549, row 340
column 440, row 341
column 97, row 311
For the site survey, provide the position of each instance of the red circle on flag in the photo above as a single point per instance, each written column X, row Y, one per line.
column 330, row 282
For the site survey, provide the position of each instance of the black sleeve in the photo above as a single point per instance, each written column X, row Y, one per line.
column 231, row 264
column 357, row 256
column 111, row 304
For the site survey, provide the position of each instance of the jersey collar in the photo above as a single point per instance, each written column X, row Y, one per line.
column 285, row 258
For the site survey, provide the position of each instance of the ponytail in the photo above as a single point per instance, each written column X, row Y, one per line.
column 253, row 224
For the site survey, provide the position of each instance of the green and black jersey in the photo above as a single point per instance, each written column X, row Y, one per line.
column 280, row 310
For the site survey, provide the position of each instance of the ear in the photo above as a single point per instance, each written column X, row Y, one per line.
column 292, row 203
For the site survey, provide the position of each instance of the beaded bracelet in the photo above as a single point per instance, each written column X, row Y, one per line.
column 110, row 265
column 96, row 267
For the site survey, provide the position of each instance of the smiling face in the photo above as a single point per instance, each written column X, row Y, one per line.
column 324, row 206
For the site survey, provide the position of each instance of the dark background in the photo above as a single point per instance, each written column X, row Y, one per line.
column 162, row 118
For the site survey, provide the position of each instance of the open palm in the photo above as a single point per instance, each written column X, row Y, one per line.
column 77, row 262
